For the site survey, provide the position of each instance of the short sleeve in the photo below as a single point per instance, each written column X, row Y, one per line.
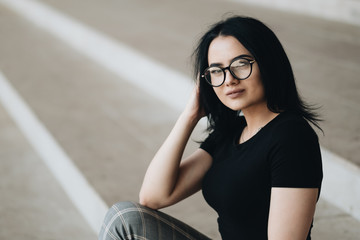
column 209, row 144
column 295, row 157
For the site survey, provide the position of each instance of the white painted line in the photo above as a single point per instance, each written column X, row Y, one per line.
column 85, row 198
column 169, row 86
column 341, row 184
column 341, row 181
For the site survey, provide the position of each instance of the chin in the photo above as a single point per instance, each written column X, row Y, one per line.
column 235, row 107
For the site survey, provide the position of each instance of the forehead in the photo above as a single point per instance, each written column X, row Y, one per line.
column 225, row 48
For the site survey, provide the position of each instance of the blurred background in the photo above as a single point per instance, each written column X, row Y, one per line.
column 90, row 89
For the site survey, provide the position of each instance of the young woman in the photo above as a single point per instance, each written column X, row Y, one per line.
column 260, row 167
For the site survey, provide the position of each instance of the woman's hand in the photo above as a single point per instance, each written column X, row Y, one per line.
column 193, row 108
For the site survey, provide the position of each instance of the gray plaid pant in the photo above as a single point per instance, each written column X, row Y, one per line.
column 130, row 221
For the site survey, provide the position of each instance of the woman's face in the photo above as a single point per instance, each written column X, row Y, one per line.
column 236, row 94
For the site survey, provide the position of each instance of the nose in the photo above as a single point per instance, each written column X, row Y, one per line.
column 229, row 78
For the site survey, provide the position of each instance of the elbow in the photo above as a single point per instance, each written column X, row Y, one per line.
column 148, row 201
column 144, row 201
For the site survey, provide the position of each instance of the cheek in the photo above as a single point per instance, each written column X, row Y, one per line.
column 259, row 90
column 256, row 82
column 219, row 93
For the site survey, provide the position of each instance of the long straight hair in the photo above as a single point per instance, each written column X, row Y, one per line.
column 276, row 73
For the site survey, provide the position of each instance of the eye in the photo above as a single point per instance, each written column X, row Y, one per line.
column 215, row 70
column 239, row 63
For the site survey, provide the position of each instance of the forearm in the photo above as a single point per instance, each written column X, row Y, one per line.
column 162, row 174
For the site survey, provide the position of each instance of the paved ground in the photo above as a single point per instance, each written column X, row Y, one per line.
column 325, row 54
column 111, row 129
column 33, row 205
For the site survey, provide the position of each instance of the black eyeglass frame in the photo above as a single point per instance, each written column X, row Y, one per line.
column 251, row 62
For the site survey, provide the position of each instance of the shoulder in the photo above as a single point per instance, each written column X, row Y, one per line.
column 295, row 155
column 293, row 140
column 292, row 127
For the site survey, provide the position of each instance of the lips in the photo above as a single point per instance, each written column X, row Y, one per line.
column 235, row 93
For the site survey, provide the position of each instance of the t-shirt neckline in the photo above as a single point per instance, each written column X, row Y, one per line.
column 253, row 138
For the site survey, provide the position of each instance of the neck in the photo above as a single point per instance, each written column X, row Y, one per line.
column 258, row 118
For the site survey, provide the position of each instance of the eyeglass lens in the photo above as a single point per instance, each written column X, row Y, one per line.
column 240, row 69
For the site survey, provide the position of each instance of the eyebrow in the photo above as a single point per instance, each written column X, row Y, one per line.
column 240, row 56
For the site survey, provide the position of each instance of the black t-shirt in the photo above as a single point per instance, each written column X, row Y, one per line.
column 284, row 153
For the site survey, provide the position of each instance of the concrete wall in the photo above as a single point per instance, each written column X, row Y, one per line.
column 338, row 10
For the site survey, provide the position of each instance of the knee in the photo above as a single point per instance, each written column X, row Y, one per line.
column 121, row 213
column 120, row 208
column 121, row 220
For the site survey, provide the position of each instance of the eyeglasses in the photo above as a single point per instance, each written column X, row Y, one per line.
column 240, row 68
